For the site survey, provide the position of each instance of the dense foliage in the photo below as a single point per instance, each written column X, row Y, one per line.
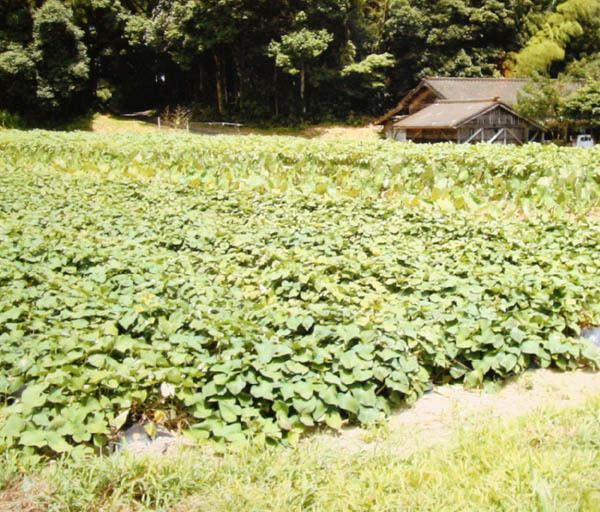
column 567, row 32
column 280, row 60
column 494, row 178
column 265, row 286
column 567, row 104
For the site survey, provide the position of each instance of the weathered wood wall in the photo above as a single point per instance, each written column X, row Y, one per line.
column 498, row 125
column 432, row 135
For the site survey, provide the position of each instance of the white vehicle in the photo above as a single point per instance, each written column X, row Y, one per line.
column 584, row 141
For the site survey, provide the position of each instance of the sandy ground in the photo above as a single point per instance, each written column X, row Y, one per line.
column 434, row 417
column 110, row 124
column 344, row 132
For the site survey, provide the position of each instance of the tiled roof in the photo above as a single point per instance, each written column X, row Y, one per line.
column 505, row 89
column 448, row 114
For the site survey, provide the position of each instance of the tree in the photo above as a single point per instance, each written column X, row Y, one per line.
column 61, row 61
column 542, row 99
column 575, row 22
column 17, row 68
column 255, row 59
column 122, row 66
column 297, row 51
column 367, row 75
column 452, row 38
column 371, row 67
column 202, row 34
column 15, row 23
column 17, row 79
column 584, row 105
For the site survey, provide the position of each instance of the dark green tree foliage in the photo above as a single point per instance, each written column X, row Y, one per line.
column 114, row 60
column 567, row 104
column 267, row 59
column 542, row 99
column 584, row 105
column 297, row 51
column 585, row 68
column 15, row 23
column 454, row 37
column 17, row 68
column 569, row 31
column 203, row 36
column 62, row 64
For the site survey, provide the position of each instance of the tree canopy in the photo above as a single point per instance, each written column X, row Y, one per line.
column 278, row 60
column 569, row 32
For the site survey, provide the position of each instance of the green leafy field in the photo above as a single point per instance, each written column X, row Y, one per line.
column 236, row 287
column 488, row 179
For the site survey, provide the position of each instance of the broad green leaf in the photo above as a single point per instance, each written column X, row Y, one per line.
column 304, row 389
column 347, row 402
column 236, row 386
column 34, row 396
column 517, row 334
column 530, row 347
column 473, row 379
column 34, row 438
column 229, row 410
column 13, row 426
column 296, row 368
column 333, row 420
column 58, row 443
column 97, row 360
column 127, row 320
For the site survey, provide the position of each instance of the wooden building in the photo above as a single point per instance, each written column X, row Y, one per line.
column 461, row 110
column 487, row 120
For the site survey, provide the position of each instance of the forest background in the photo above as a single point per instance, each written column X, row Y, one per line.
column 282, row 61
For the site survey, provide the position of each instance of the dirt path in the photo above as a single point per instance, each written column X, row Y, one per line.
column 110, row 124
column 434, row 417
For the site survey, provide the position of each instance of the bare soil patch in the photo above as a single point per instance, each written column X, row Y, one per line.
column 342, row 132
column 434, row 417
column 19, row 496
column 110, row 124
column 334, row 131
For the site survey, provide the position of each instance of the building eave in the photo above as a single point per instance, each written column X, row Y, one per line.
column 391, row 113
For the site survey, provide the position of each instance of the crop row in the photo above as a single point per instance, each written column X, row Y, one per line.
column 442, row 177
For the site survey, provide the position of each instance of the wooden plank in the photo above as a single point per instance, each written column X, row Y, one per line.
column 515, row 136
column 498, row 133
column 477, row 132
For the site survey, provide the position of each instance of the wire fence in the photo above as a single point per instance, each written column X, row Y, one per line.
column 205, row 128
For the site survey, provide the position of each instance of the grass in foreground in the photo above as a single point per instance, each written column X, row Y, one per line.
column 548, row 461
